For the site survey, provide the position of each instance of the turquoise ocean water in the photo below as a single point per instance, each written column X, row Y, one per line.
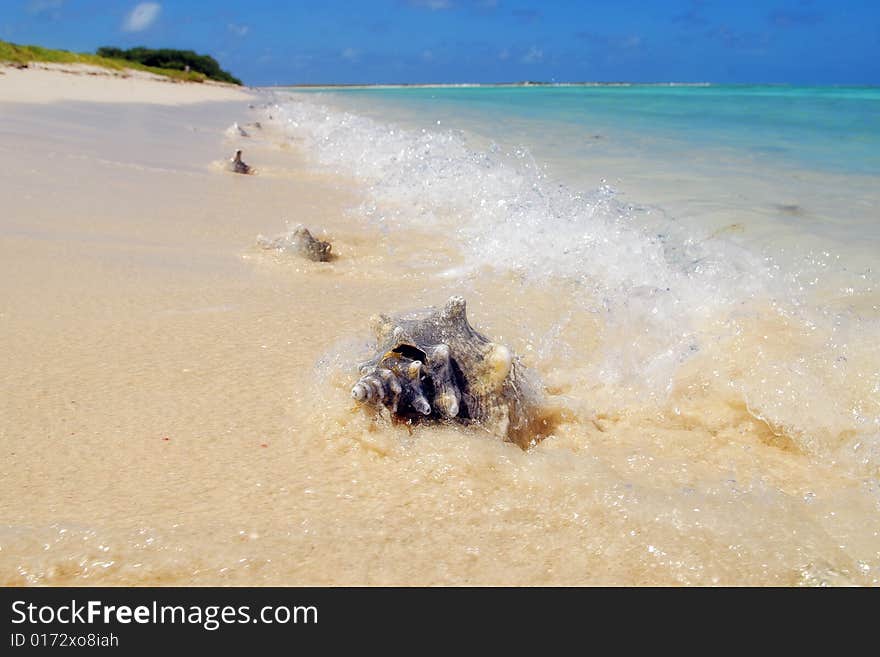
column 834, row 129
column 781, row 163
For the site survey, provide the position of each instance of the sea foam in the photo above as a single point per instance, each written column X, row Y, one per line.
column 665, row 294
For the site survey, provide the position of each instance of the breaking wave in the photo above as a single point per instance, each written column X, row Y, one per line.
column 783, row 342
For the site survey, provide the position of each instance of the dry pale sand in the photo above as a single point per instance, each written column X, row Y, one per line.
column 49, row 83
column 174, row 402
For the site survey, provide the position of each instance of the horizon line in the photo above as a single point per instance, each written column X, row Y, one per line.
column 533, row 83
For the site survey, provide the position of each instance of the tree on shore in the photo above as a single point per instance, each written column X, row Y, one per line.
column 181, row 60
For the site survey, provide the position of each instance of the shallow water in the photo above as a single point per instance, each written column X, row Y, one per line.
column 177, row 408
column 640, row 323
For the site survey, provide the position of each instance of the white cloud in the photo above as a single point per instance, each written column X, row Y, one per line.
column 239, row 30
column 142, row 17
column 504, row 55
column 533, row 56
column 428, row 55
column 351, row 55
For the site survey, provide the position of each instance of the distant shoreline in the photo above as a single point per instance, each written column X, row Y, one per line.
column 456, row 85
column 516, row 85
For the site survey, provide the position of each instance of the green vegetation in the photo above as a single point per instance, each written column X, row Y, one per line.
column 16, row 54
column 166, row 58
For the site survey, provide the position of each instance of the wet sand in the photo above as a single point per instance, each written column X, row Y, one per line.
column 174, row 406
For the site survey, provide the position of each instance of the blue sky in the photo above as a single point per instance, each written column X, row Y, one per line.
column 323, row 41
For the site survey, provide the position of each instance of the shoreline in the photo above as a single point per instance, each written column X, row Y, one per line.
column 466, row 85
column 526, row 84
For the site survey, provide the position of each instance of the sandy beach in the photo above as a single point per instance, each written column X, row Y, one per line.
column 159, row 358
column 175, row 409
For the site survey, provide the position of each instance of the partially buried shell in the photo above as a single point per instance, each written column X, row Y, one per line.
column 432, row 365
column 299, row 241
column 237, row 165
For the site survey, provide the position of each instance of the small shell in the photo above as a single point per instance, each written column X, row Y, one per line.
column 311, row 248
column 300, row 241
column 235, row 130
column 238, row 166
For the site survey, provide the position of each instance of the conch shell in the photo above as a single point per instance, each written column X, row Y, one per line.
column 433, row 366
